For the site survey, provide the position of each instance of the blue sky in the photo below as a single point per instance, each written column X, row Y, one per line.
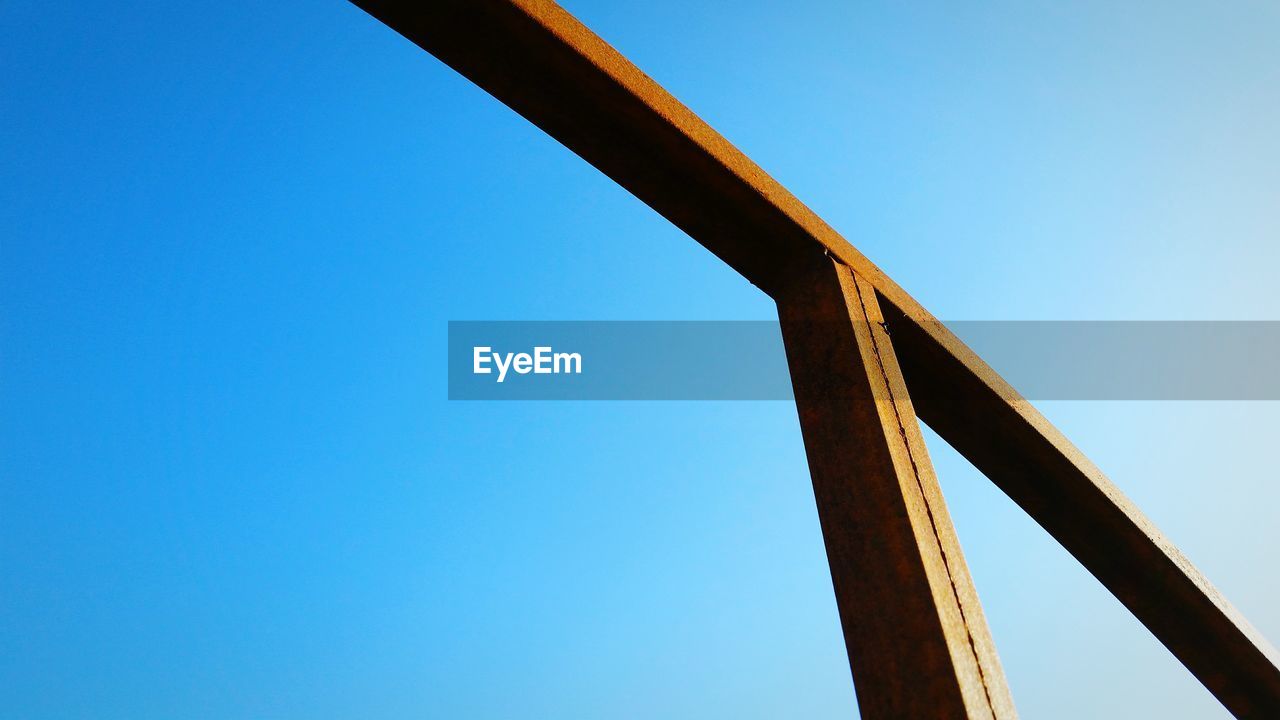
column 231, row 237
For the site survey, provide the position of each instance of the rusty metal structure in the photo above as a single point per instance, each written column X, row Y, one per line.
column 866, row 361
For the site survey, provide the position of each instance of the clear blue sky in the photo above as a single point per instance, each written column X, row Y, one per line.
column 231, row 236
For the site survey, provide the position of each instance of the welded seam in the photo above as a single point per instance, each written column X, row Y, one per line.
column 915, row 470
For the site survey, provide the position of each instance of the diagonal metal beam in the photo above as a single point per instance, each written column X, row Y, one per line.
column 915, row 633
column 545, row 65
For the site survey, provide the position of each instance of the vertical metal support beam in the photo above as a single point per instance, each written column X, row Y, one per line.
column 917, row 640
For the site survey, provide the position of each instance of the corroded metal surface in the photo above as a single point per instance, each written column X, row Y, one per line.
column 917, row 640
column 545, row 65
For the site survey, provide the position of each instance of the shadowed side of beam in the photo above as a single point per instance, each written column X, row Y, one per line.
column 917, row 640
column 542, row 63
column 545, row 65
column 1040, row 470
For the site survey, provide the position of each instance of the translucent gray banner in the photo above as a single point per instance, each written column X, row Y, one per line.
column 726, row 360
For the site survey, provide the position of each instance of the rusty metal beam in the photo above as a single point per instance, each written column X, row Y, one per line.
column 545, row 65
column 979, row 414
column 915, row 633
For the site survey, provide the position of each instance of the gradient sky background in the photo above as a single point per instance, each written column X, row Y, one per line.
column 231, row 236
